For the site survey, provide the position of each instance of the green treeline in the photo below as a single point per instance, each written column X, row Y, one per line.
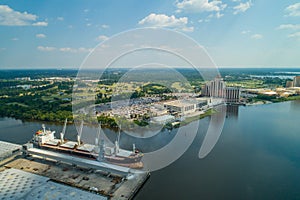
column 48, row 102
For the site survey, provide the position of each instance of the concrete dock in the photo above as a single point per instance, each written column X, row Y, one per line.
column 8, row 149
column 72, row 174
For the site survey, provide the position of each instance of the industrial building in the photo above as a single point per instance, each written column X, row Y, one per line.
column 184, row 107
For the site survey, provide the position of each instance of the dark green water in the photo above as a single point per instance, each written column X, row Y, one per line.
column 256, row 157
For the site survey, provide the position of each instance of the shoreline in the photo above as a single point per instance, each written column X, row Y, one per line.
column 261, row 103
column 188, row 120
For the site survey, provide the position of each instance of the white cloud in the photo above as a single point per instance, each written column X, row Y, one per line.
column 219, row 15
column 42, row 48
column 165, row 21
column 204, row 20
column 294, row 35
column 242, row 7
column 10, row 17
column 245, row 32
column 64, row 49
column 14, row 39
column 257, row 36
column 67, row 49
column 200, row 6
column 40, row 35
column 84, row 50
column 40, row 24
column 105, row 26
column 101, row 38
column 86, row 10
column 289, row 26
column 216, row 15
column 60, row 19
column 88, row 24
column 293, row 10
column 75, row 50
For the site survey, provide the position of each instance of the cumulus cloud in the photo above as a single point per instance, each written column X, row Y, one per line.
column 40, row 35
column 293, row 10
column 257, row 36
column 165, row 21
column 289, row 26
column 10, row 17
column 242, row 7
column 200, row 6
column 101, row 38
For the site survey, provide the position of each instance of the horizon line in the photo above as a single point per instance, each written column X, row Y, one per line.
column 175, row 67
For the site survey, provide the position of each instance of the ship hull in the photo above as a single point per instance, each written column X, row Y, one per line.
column 133, row 161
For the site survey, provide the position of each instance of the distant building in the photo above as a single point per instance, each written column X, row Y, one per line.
column 25, row 87
column 185, row 106
column 217, row 89
column 296, row 81
column 23, row 79
column 289, row 84
column 233, row 95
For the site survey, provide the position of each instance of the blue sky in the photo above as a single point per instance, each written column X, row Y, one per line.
column 236, row 33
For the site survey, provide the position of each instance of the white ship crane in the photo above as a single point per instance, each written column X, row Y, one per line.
column 79, row 133
column 62, row 134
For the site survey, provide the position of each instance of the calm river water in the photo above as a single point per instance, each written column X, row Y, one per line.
column 256, row 157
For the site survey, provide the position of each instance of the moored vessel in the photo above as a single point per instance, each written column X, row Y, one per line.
column 99, row 151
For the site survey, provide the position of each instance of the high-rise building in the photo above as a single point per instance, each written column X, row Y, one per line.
column 296, row 81
column 289, row 84
column 217, row 89
column 232, row 94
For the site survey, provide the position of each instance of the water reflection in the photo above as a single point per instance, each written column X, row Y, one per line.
column 295, row 105
column 232, row 111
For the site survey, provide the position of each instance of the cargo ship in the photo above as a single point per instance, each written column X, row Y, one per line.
column 46, row 139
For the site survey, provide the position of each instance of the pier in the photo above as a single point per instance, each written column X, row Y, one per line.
column 61, row 174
